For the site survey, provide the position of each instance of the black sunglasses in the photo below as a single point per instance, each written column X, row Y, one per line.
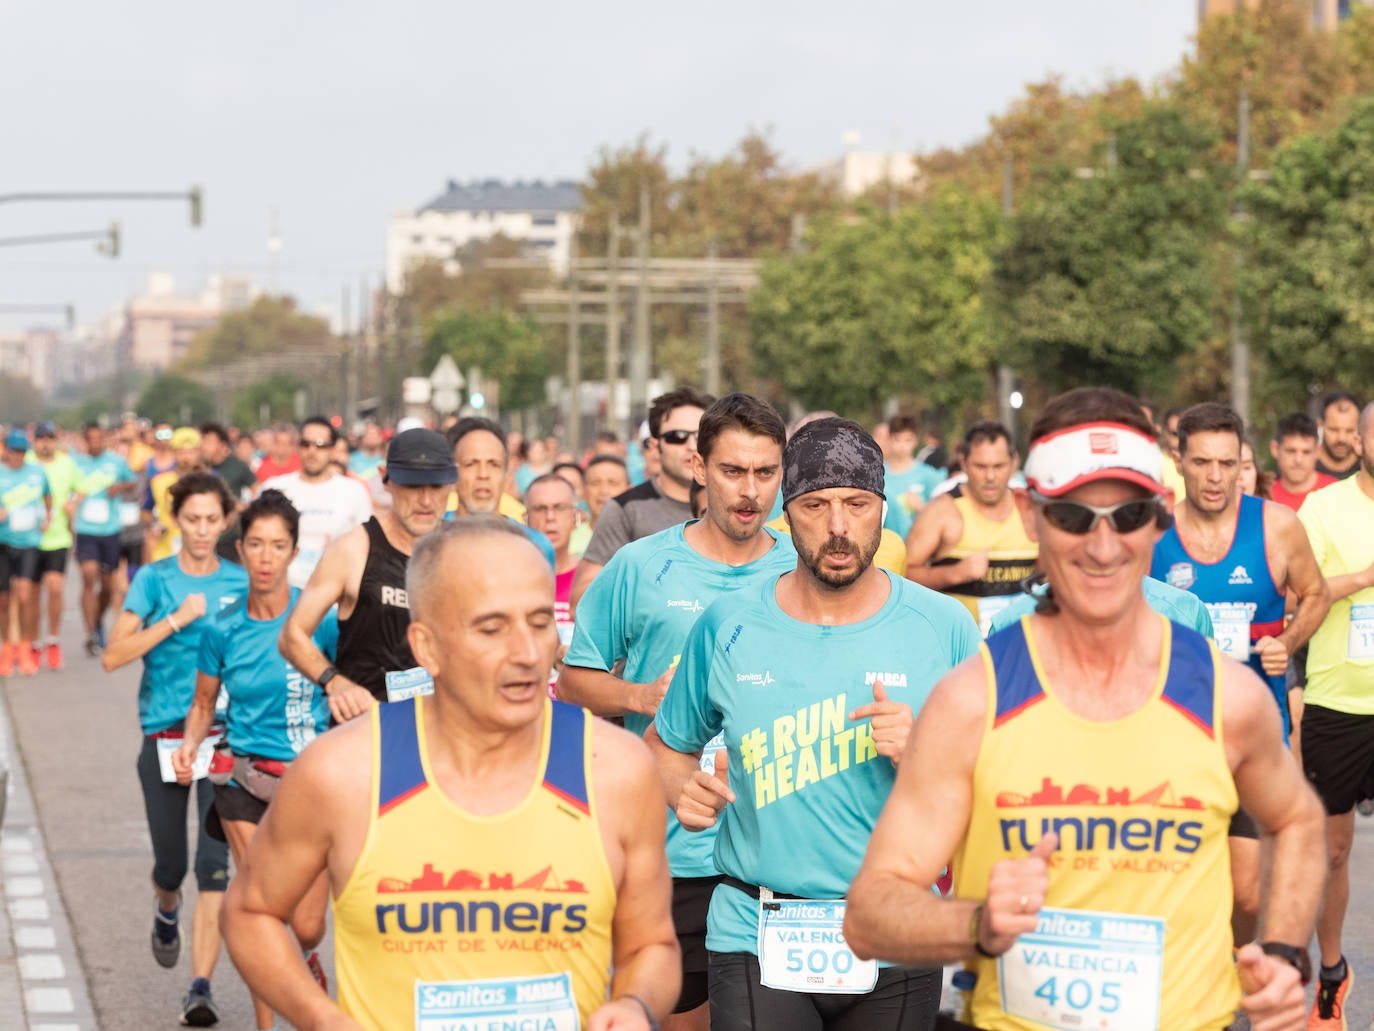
column 1077, row 518
column 677, row 437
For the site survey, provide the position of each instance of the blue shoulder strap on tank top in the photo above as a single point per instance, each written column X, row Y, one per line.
column 1018, row 686
column 565, row 774
column 1189, row 684
column 402, row 773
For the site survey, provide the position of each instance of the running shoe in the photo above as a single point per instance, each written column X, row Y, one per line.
column 312, row 960
column 1365, row 806
column 92, row 644
column 7, row 652
column 100, row 635
column 166, row 935
column 198, row 1008
column 28, row 659
column 52, row 656
column 1328, row 1011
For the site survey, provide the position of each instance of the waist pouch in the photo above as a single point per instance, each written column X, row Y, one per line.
column 257, row 776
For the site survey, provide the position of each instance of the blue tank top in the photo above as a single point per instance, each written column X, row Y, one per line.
column 1238, row 591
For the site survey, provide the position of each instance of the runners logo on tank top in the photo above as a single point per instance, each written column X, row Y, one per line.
column 1137, row 843
column 487, row 904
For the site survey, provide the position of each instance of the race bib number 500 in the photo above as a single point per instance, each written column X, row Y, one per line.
column 545, row 1003
column 1080, row 969
column 802, row 949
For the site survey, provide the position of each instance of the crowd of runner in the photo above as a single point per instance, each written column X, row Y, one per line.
column 740, row 726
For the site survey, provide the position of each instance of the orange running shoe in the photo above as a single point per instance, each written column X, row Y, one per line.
column 1328, row 1010
column 52, row 656
column 7, row 660
column 28, row 659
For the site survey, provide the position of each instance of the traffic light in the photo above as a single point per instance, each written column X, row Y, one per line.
column 110, row 247
column 197, row 199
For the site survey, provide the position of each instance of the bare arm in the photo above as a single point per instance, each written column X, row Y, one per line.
column 288, row 852
column 131, row 640
column 935, row 530
column 646, row 959
column 607, row 695
column 1303, row 579
column 1345, row 585
column 1273, row 790
column 198, row 722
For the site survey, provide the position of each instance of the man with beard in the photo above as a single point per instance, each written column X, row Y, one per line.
column 482, row 458
column 1338, row 455
column 640, row 609
column 812, row 679
column 659, row 502
column 975, row 547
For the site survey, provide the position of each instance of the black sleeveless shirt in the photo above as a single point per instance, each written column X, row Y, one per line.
column 372, row 641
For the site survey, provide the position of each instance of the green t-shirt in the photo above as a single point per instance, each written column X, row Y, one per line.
column 63, row 475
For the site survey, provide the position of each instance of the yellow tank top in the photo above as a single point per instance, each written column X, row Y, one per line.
column 1011, row 558
column 452, row 915
column 170, row 542
column 1136, row 932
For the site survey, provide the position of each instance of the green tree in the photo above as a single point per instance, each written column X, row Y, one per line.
column 176, row 400
column 1309, row 269
column 882, row 305
column 507, row 348
column 277, row 392
column 269, row 326
column 1112, row 279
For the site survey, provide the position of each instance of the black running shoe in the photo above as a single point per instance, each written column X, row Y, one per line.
column 198, row 1008
column 166, row 936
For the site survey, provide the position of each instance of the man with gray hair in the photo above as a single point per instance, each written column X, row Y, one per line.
column 812, row 678
column 493, row 854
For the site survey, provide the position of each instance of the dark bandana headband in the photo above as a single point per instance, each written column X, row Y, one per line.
column 831, row 453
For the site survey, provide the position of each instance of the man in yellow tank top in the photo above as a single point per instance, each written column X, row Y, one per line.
column 1079, row 777
column 493, row 855
column 974, row 546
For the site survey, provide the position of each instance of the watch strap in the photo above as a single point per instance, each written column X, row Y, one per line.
column 1292, row 955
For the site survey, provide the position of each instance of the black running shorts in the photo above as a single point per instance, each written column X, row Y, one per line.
column 1338, row 756
column 691, row 901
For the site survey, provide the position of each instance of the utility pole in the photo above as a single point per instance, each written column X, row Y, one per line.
column 613, row 317
column 712, row 363
column 1240, row 347
column 639, row 348
column 1006, row 414
column 573, row 430
column 345, row 344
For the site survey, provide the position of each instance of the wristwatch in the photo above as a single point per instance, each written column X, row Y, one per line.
column 324, row 678
column 1291, row 954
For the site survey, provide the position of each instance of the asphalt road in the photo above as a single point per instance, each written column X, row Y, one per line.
column 77, row 738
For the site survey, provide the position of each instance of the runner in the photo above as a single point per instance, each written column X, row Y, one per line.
column 161, row 624
column 784, row 669
column 1253, row 479
column 330, row 505
column 641, row 608
column 577, row 480
column 63, row 475
column 551, row 508
column 220, row 459
column 493, row 854
column 1241, row 556
column 157, row 501
column 1339, row 454
column 975, row 547
column 606, row 478
column 661, row 500
column 480, row 455
column 363, row 573
column 281, row 456
column 370, row 454
column 26, row 505
column 1294, row 449
column 1037, row 769
column 1338, row 717
column 272, row 711
column 106, row 480
column 909, row 480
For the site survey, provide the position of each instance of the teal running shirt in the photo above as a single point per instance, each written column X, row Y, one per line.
column 22, row 492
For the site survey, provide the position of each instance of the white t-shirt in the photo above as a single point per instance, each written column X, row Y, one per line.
column 329, row 509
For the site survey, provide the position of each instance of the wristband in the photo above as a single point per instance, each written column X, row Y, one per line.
column 173, row 624
column 1291, row 954
column 975, row 927
column 324, row 678
column 648, row 1013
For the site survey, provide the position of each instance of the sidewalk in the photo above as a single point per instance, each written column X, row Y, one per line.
column 40, row 977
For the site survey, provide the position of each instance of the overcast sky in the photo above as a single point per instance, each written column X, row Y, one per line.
column 338, row 114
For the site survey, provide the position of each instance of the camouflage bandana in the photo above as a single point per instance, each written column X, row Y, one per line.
column 831, row 453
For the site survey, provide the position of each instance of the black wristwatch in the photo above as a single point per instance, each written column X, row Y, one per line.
column 1291, row 954
column 324, row 678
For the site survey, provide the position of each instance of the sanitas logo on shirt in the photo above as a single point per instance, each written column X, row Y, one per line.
column 757, row 679
column 690, row 606
column 1240, row 576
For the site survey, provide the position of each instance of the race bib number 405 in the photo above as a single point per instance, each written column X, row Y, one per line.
column 801, row 949
column 1081, row 969
column 543, row 1002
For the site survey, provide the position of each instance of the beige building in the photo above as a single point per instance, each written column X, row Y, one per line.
column 859, row 171
column 160, row 323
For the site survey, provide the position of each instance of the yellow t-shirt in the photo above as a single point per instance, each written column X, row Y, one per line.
column 1340, row 657
column 170, row 542
column 454, row 919
column 1137, row 917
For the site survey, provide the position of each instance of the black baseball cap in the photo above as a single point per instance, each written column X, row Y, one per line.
column 45, row 429
column 420, row 458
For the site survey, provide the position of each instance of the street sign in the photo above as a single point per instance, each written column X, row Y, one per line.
column 446, row 375
column 415, row 390
column 445, row 400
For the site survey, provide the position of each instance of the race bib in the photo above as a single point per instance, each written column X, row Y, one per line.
column 802, row 949
column 1231, row 630
column 709, row 750
column 545, row 1003
column 24, row 519
column 167, row 745
column 95, row 510
column 1081, row 969
column 988, row 608
column 408, row 683
column 1361, row 642
column 128, row 513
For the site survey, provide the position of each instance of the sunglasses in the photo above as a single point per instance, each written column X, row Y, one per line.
column 318, row 445
column 1077, row 518
column 677, row 437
